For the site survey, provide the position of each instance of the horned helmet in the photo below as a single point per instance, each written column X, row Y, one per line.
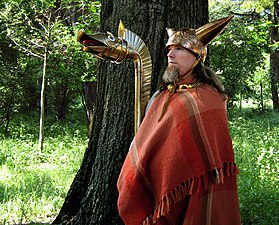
column 196, row 41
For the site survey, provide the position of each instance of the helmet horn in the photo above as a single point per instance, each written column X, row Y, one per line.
column 209, row 31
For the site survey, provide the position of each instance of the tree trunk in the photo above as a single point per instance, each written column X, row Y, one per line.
column 88, row 95
column 93, row 194
column 62, row 95
column 7, row 109
column 274, row 59
column 42, row 105
column 262, row 100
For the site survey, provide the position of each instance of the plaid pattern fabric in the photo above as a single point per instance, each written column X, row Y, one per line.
column 181, row 170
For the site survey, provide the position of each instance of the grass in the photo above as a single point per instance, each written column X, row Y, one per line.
column 255, row 138
column 33, row 184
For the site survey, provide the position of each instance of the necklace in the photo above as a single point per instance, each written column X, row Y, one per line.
column 188, row 86
column 172, row 87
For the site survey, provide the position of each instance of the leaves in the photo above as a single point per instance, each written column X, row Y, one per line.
column 29, row 28
column 239, row 54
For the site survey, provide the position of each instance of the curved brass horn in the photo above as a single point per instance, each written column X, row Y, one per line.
column 117, row 49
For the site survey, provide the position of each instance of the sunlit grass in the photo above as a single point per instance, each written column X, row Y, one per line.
column 255, row 138
column 33, row 183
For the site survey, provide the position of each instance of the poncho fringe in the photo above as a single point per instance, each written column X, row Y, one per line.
column 190, row 186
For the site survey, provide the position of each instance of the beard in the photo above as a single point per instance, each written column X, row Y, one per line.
column 171, row 75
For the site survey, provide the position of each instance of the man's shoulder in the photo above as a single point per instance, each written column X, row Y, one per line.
column 153, row 97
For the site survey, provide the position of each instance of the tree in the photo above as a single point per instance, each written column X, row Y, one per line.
column 93, row 195
column 274, row 57
column 43, row 31
column 8, row 61
column 33, row 39
column 245, row 46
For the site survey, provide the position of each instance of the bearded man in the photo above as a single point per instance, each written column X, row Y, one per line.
column 180, row 168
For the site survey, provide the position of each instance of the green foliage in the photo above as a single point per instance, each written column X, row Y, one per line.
column 257, row 6
column 260, row 83
column 33, row 184
column 239, row 55
column 255, row 138
column 28, row 29
column 91, row 19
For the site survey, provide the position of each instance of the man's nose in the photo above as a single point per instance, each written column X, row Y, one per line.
column 170, row 53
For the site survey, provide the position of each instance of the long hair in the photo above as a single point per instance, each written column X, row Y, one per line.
column 206, row 75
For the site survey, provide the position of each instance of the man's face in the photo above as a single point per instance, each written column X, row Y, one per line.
column 181, row 59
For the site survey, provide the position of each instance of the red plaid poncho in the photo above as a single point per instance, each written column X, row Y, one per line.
column 181, row 170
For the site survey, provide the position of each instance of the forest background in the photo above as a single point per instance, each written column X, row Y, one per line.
column 42, row 142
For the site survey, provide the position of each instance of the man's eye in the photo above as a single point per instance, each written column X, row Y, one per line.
column 179, row 48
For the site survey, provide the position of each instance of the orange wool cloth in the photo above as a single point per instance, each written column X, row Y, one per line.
column 181, row 170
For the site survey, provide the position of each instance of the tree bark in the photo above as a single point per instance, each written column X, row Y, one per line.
column 92, row 198
column 42, row 103
column 274, row 59
column 88, row 95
